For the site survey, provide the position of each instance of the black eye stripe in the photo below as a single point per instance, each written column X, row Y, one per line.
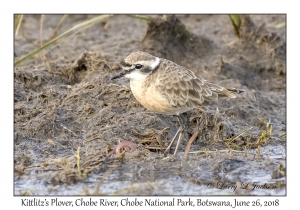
column 138, row 66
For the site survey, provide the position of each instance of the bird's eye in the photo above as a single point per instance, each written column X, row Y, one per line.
column 138, row 66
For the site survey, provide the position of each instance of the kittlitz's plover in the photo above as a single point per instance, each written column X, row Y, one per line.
column 165, row 87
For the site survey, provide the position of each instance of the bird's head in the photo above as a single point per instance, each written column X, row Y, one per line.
column 138, row 65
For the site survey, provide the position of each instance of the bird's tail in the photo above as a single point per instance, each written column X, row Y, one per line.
column 225, row 92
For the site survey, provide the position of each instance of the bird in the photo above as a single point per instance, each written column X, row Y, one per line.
column 167, row 88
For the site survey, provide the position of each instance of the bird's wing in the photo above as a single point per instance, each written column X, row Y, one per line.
column 181, row 87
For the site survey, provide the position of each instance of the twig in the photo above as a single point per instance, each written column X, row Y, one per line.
column 58, row 26
column 282, row 135
column 258, row 152
column 64, row 127
column 96, row 192
column 188, row 146
column 153, row 147
column 41, row 30
column 18, row 24
column 209, row 151
column 242, row 132
column 99, row 139
column 139, row 17
column 78, row 161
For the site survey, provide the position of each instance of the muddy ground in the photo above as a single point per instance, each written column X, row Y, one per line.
column 69, row 115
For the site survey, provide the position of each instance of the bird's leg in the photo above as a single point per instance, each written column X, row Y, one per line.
column 179, row 140
column 179, row 131
column 169, row 147
column 181, row 122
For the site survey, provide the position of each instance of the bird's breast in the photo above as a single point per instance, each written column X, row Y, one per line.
column 150, row 97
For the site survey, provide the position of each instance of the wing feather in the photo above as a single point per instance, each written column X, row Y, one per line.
column 182, row 88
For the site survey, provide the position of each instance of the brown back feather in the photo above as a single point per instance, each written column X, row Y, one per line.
column 182, row 88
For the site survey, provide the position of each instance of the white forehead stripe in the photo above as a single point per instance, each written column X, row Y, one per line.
column 151, row 64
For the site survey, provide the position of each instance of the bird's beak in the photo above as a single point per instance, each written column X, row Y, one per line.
column 121, row 74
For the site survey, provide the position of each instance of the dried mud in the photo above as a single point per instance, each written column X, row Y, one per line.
column 69, row 115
